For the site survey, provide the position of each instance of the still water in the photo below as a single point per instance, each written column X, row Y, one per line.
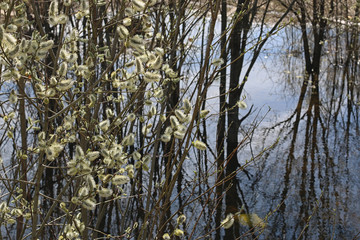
column 307, row 185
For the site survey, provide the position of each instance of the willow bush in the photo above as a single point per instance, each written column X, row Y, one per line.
column 102, row 111
column 91, row 145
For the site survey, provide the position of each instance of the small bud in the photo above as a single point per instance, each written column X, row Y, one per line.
column 17, row 212
column 72, row 171
column 137, row 43
column 162, row 118
column 129, row 12
column 138, row 164
column 159, row 51
column 53, row 81
column 158, row 93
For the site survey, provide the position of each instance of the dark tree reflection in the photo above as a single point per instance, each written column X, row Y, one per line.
column 309, row 180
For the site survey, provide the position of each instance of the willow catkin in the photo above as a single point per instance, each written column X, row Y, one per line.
column 138, row 5
column 199, row 145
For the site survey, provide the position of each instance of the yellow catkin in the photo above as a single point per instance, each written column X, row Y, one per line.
column 199, row 145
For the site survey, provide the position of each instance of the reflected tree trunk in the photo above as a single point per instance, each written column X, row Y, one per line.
column 220, row 140
column 238, row 40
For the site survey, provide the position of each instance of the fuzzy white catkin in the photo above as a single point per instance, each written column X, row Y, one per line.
column 104, row 125
column 67, row 3
column 199, row 145
column 105, row 192
column 152, row 77
column 13, row 97
column 165, row 138
column 47, row 44
column 181, row 219
column 178, row 232
column 217, row 62
column 179, row 135
column 62, row 69
column 120, row 179
column 11, row 28
column 89, row 204
column 241, row 105
column 65, row 84
column 228, row 221
column 79, row 153
column 126, row 22
column 180, row 115
column 131, row 117
column 139, row 66
column 122, row 31
column 53, row 8
column 138, row 5
column 166, row 236
column 174, row 122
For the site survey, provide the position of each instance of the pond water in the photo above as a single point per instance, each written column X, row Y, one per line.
column 307, row 185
